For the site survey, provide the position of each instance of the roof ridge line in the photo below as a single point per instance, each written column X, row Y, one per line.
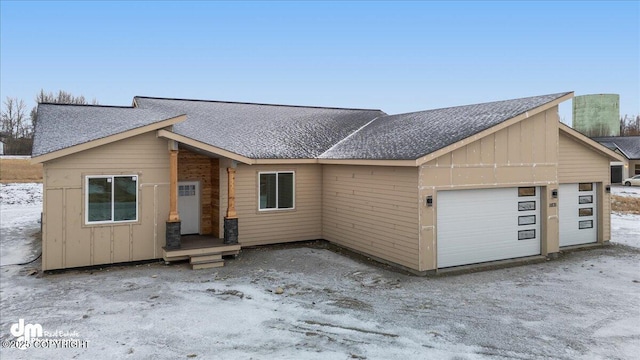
column 251, row 103
column 348, row 136
column 620, row 149
column 89, row 105
column 480, row 103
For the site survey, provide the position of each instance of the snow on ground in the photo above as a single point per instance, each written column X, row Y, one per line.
column 625, row 228
column 584, row 305
column 15, row 157
column 20, row 208
column 628, row 191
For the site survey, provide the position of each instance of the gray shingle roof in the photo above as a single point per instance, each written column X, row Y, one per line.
column 629, row 146
column 261, row 131
column 412, row 135
column 61, row 126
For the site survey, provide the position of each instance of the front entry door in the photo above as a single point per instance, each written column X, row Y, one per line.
column 189, row 206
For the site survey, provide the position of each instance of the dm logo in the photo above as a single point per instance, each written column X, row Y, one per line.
column 24, row 333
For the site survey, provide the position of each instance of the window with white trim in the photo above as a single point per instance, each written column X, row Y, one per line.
column 277, row 190
column 111, row 199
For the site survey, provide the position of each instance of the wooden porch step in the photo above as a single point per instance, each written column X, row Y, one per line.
column 207, row 264
column 203, row 258
column 230, row 249
column 175, row 258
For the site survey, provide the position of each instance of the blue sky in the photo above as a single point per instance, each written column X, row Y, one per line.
column 398, row 57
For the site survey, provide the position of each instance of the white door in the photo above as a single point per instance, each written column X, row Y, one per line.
column 577, row 209
column 475, row 226
column 189, row 206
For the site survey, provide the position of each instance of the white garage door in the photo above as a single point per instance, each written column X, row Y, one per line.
column 481, row 225
column 577, row 209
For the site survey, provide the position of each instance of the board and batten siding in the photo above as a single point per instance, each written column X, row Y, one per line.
column 522, row 154
column 275, row 226
column 373, row 210
column 579, row 164
column 68, row 242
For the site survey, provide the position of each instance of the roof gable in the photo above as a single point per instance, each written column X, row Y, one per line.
column 262, row 131
column 590, row 143
column 413, row 135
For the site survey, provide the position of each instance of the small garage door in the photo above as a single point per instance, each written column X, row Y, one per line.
column 577, row 212
column 482, row 225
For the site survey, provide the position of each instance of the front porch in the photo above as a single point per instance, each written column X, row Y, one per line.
column 197, row 230
column 202, row 251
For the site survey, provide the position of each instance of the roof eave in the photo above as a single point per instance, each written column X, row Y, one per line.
column 107, row 140
column 369, row 162
column 527, row 114
column 204, row 146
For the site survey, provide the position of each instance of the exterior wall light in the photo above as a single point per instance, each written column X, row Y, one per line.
column 554, row 193
column 429, row 201
column 607, row 189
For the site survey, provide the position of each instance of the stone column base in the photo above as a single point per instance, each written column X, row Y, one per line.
column 173, row 235
column 230, row 230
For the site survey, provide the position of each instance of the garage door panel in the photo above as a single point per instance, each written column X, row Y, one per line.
column 577, row 210
column 488, row 252
column 482, row 225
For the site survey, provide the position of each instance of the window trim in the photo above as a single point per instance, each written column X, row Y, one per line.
column 526, row 234
column 523, row 191
column 585, row 187
column 293, row 189
column 86, row 199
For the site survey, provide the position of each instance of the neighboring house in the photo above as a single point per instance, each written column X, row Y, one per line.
column 627, row 146
column 424, row 191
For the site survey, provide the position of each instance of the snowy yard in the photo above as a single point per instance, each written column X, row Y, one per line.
column 584, row 305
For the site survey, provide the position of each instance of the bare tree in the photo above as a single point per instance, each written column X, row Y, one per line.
column 14, row 117
column 629, row 125
column 16, row 130
column 62, row 97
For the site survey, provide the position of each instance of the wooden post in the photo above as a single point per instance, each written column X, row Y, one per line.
column 231, row 220
column 173, row 187
column 231, row 204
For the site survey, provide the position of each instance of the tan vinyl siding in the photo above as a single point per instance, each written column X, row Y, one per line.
column 277, row 226
column 373, row 210
column 68, row 242
column 524, row 153
column 577, row 163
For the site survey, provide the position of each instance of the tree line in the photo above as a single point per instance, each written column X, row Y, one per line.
column 629, row 125
column 16, row 127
